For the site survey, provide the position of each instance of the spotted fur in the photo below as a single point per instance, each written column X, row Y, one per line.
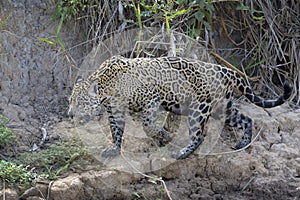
column 181, row 86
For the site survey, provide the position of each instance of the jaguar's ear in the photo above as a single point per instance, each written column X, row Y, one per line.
column 79, row 79
column 93, row 89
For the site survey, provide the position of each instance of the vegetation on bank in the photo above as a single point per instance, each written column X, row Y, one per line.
column 262, row 36
column 6, row 134
column 50, row 162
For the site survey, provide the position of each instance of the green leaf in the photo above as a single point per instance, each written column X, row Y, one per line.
column 257, row 11
column 256, row 64
column 199, row 16
column 45, row 40
column 60, row 24
column 60, row 42
column 202, row 4
column 179, row 12
column 259, row 18
column 207, row 25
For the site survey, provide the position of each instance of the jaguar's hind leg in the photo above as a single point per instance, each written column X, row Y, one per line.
column 198, row 116
column 236, row 119
column 150, row 114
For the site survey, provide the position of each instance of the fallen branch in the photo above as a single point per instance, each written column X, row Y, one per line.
column 232, row 67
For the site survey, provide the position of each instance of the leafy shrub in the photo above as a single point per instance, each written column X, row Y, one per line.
column 14, row 174
column 6, row 134
column 198, row 13
column 48, row 163
column 70, row 8
column 56, row 158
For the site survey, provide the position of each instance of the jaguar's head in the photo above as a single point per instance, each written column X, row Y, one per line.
column 90, row 97
column 84, row 103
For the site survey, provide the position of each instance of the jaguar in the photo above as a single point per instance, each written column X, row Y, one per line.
column 179, row 85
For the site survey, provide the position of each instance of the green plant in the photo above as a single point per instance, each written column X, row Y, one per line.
column 56, row 158
column 202, row 12
column 70, row 8
column 256, row 15
column 168, row 10
column 6, row 134
column 198, row 13
column 14, row 174
column 67, row 9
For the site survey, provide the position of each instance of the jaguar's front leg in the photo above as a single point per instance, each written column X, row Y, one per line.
column 117, row 125
column 198, row 115
column 149, row 116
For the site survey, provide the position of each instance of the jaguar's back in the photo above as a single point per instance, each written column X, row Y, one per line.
column 178, row 79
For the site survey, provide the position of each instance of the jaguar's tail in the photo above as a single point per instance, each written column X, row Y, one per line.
column 269, row 103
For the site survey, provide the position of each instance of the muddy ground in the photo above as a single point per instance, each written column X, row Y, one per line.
column 36, row 79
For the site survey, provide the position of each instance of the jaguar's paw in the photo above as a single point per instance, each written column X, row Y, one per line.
column 242, row 144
